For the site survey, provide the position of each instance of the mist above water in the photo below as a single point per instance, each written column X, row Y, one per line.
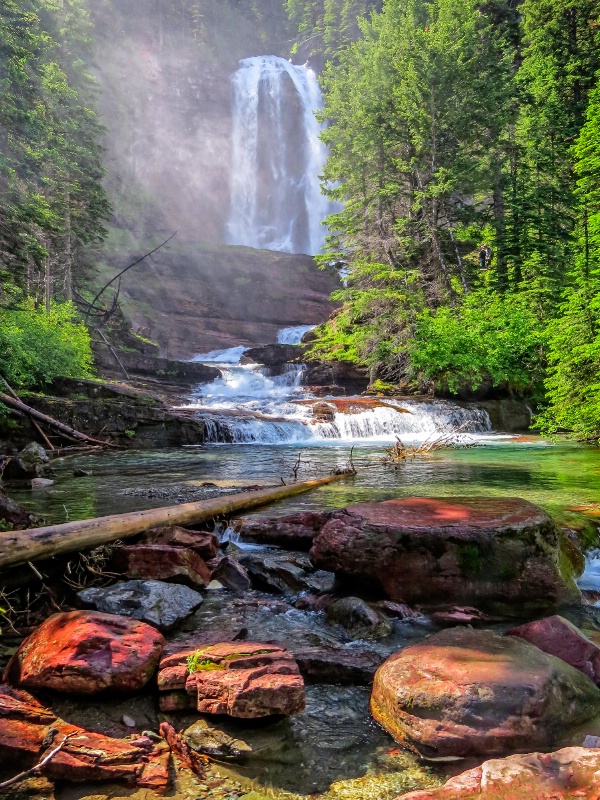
column 278, row 157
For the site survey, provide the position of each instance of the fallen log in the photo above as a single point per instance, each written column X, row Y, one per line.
column 18, row 547
column 50, row 421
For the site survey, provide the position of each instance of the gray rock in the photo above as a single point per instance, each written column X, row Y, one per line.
column 286, row 573
column 213, row 742
column 359, row 618
column 160, row 604
column 41, row 483
column 31, row 462
column 232, row 575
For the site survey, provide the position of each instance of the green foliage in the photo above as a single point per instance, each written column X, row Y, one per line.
column 197, row 662
column 36, row 347
column 489, row 337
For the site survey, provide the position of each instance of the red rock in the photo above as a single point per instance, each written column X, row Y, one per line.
column 161, row 562
column 568, row 774
column 497, row 553
column 464, row 692
column 397, row 610
column 295, row 531
column 186, row 755
column 559, row 637
column 242, row 679
column 25, row 728
column 461, row 615
column 203, row 543
column 85, row 652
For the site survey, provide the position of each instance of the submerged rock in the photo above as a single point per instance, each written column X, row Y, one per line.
column 86, row 652
column 201, row 738
column 286, row 573
column 160, row 562
column 567, row 774
column 340, row 666
column 161, row 604
column 464, row 692
column 241, row 679
column 501, row 554
column 559, row 637
column 359, row 618
column 28, row 730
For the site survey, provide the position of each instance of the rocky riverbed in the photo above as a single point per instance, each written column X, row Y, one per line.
column 297, row 655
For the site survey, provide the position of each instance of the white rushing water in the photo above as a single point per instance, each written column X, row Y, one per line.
column 247, row 405
column 278, row 157
column 293, row 335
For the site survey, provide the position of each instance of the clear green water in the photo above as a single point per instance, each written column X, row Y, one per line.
column 554, row 476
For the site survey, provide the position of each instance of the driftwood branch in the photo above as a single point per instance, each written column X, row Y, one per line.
column 22, row 776
column 123, row 271
column 18, row 547
column 50, row 421
column 35, row 424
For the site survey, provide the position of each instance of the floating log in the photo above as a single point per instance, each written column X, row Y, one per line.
column 18, row 547
column 50, row 421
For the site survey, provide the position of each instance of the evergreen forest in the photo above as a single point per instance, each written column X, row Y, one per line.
column 464, row 159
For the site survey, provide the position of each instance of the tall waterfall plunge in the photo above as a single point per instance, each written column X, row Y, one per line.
column 276, row 200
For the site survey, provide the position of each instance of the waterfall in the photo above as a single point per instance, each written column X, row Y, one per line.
column 276, row 200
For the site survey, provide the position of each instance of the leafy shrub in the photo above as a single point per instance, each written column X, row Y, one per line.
column 36, row 347
column 490, row 336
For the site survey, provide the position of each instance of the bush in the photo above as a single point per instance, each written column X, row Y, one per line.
column 490, row 336
column 36, row 347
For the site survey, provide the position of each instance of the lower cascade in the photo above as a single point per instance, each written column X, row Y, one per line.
column 248, row 405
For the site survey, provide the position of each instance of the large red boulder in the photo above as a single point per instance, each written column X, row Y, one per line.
column 161, row 562
column 294, row 531
column 559, row 637
column 464, row 692
column 85, row 652
column 498, row 553
column 203, row 543
column 28, row 731
column 241, row 679
column 569, row 774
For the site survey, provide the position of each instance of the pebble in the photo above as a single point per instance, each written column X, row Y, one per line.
column 128, row 721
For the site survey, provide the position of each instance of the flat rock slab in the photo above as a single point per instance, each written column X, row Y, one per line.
column 499, row 553
column 241, row 679
column 25, row 726
column 86, row 652
column 568, row 774
column 464, row 692
column 559, row 637
column 294, row 531
column 163, row 605
column 161, row 562
column 203, row 543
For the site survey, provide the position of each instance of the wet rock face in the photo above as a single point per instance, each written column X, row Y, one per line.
column 463, row 692
column 201, row 738
column 85, row 652
column 359, row 618
column 240, row 679
column 161, row 562
column 564, row 775
column 31, row 462
column 499, row 554
column 294, row 531
column 559, row 637
column 339, row 666
column 161, row 604
column 25, row 734
column 286, row 573
column 14, row 516
column 231, row 575
column 272, row 355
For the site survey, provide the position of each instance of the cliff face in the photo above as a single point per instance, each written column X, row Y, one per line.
column 166, row 101
column 193, row 297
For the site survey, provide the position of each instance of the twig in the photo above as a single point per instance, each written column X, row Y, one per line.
column 123, row 271
column 28, row 773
